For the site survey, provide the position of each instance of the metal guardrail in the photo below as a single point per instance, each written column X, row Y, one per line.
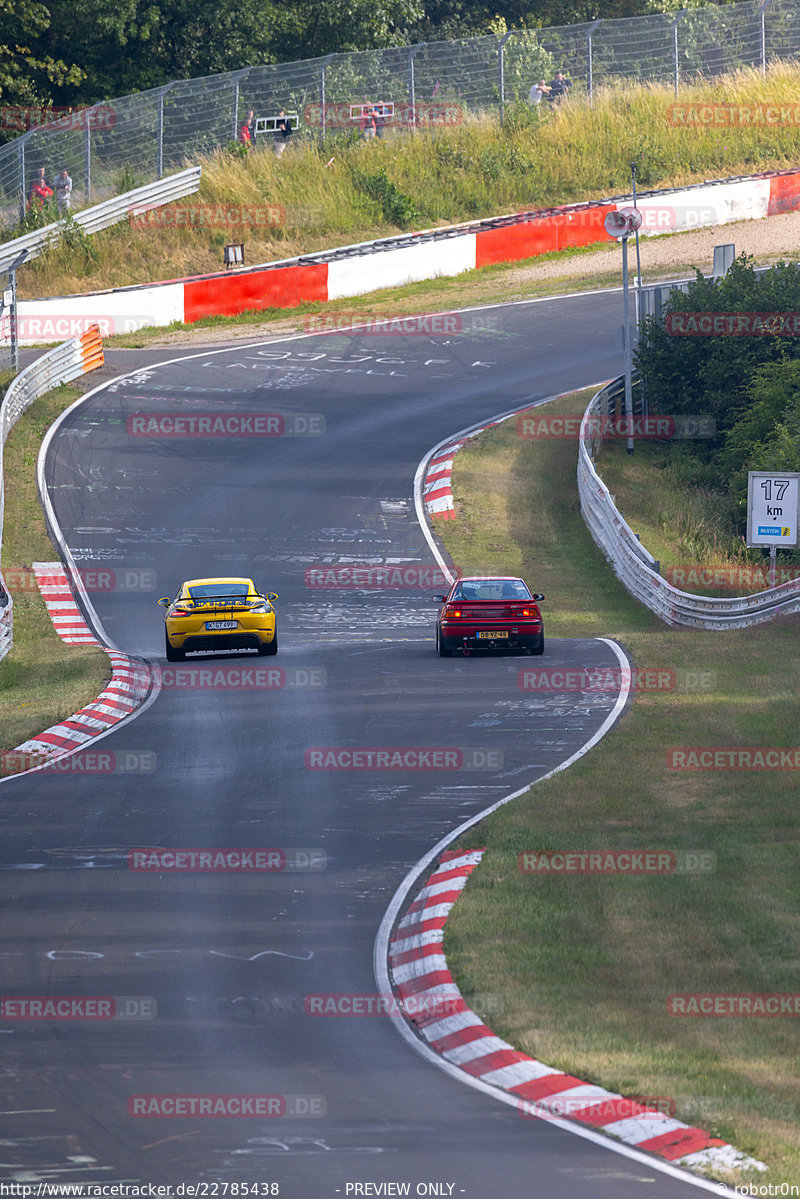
column 638, row 570
column 110, row 212
column 61, row 365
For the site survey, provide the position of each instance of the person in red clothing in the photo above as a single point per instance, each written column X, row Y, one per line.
column 247, row 131
column 39, row 190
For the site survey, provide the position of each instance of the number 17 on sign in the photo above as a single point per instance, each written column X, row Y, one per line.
column 773, row 508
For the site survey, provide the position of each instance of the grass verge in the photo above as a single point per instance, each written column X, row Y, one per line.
column 688, row 527
column 42, row 679
column 585, row 964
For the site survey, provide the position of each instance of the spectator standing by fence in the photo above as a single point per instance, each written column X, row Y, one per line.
column 245, row 136
column 559, row 87
column 538, row 91
column 283, row 131
column 63, row 187
column 372, row 124
column 39, row 190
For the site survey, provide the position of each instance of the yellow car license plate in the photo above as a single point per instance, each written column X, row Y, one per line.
column 488, row 636
column 213, row 625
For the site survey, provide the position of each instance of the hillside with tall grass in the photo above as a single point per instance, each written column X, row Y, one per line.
column 323, row 193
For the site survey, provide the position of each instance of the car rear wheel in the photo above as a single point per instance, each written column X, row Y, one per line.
column 270, row 648
column 537, row 647
column 173, row 655
column 442, row 650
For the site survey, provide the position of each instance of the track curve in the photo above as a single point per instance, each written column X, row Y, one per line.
column 228, row 958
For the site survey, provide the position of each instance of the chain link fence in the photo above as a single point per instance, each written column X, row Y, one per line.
column 116, row 146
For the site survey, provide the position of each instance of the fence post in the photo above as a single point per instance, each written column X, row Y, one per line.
column 21, row 161
column 322, row 68
column 87, row 158
column 501, row 69
column 764, row 5
column 676, row 67
column 160, row 132
column 12, row 280
column 87, row 150
column 413, row 51
column 237, row 77
column 590, row 65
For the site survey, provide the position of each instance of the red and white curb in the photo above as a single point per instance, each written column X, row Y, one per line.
column 419, row 972
column 129, row 685
column 437, row 493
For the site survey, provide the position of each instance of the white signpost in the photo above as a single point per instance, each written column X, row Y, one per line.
column 773, row 509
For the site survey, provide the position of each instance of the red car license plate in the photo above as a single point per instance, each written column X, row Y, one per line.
column 213, row 625
column 491, row 636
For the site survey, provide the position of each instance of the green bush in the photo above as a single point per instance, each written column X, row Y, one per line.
column 396, row 207
column 748, row 384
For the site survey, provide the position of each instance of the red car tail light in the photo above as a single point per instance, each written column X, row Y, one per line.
column 452, row 611
column 179, row 612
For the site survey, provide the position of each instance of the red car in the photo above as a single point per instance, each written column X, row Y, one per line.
column 490, row 612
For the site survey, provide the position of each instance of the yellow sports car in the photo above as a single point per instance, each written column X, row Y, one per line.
column 219, row 614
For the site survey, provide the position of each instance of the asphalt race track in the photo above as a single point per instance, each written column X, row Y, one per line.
column 229, row 957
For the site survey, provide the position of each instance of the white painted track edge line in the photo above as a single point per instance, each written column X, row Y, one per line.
column 382, row 938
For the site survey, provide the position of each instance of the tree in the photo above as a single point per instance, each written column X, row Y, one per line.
column 28, row 74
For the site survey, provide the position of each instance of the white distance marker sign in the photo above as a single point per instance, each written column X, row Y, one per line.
column 773, row 500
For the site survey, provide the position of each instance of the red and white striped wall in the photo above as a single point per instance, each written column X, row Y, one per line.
column 425, row 987
column 393, row 262
column 128, row 687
